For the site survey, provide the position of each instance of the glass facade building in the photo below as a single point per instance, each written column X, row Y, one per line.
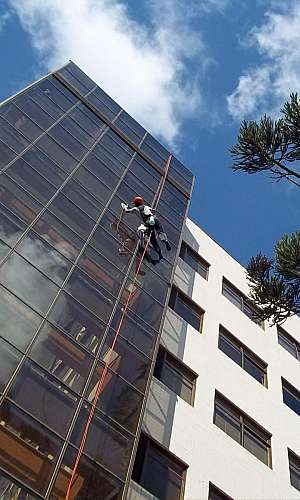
column 69, row 156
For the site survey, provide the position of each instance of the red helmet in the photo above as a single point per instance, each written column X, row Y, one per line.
column 138, row 200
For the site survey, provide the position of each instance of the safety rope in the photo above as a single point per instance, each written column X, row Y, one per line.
column 108, row 360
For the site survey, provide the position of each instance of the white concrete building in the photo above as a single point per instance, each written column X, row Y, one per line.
column 228, row 355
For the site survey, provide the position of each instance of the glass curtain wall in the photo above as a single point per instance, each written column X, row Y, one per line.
column 68, row 157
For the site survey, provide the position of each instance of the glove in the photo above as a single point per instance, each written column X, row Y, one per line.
column 124, row 206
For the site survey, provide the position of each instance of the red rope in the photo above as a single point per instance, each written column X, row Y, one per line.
column 108, row 361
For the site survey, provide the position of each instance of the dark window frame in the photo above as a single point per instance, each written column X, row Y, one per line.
column 197, row 311
column 189, row 377
column 195, row 261
column 246, row 305
column 289, row 389
column 288, row 339
column 294, row 467
column 246, row 354
column 217, row 493
column 246, row 425
column 148, row 446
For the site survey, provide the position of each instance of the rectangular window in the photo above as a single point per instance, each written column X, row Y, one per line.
column 215, row 493
column 242, row 429
column 288, row 343
column 186, row 308
column 194, row 260
column 158, row 471
column 294, row 466
column 291, row 396
column 172, row 372
column 241, row 355
column 241, row 301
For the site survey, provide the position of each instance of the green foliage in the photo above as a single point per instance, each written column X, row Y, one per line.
column 275, row 283
column 271, row 145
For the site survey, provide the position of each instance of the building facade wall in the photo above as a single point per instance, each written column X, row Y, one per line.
column 188, row 431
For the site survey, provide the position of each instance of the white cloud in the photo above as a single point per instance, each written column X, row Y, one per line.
column 145, row 70
column 264, row 88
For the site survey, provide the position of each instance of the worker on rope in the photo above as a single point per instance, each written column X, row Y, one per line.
column 150, row 225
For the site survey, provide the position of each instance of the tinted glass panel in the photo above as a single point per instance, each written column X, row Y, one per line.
column 31, row 181
column 10, row 490
column 47, row 168
column 77, row 131
column 126, row 361
column 59, row 235
column 11, row 137
column 57, row 153
column 42, row 396
column 88, row 120
column 254, row 370
column 117, row 399
column 77, row 321
column 90, row 294
column 93, row 185
column 130, row 127
column 27, row 449
column 9, row 359
column 44, row 257
column 186, row 309
column 6, row 155
column 18, row 323
column 4, row 249
column 230, row 349
column 68, row 213
column 228, row 423
column 294, row 463
column 68, row 141
column 216, row 494
column 11, row 228
column 101, row 170
column 21, row 121
column 255, row 446
column 62, row 357
column 103, row 103
column 27, row 283
column 57, row 93
column 83, row 200
column 37, row 115
column 106, row 442
column 143, row 305
column 92, row 481
column 291, row 397
column 17, row 201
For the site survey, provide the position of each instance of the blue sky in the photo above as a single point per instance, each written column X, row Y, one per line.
column 189, row 72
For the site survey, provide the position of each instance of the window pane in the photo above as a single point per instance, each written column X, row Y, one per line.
column 294, row 463
column 17, row 201
column 94, row 186
column 130, row 127
column 74, row 80
column 287, row 342
column 57, row 153
column 27, row 450
column 83, row 200
column 44, row 100
column 126, row 361
column 91, row 294
column 216, row 494
column 4, row 249
column 106, row 443
column 231, row 295
column 68, row 213
column 143, row 305
column 186, row 309
column 31, row 181
column 230, row 349
column 291, row 397
column 9, row 360
column 6, row 155
column 42, row 396
column 142, row 170
column 255, row 446
column 11, row 137
column 59, row 235
column 27, row 283
column 103, row 103
column 254, row 370
column 227, row 423
column 18, row 323
column 101, row 270
column 78, row 322
column 44, row 257
column 36, row 113
column 62, row 357
column 21, row 121
column 155, row 150
column 10, row 490
column 92, row 481
column 47, row 168
column 136, row 331
column 117, row 399
column 88, row 120
column 57, row 93
column 11, row 228
column 68, row 141
column 78, row 131
column 111, row 247
column 100, row 169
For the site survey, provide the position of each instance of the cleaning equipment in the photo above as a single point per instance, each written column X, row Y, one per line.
column 108, row 359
